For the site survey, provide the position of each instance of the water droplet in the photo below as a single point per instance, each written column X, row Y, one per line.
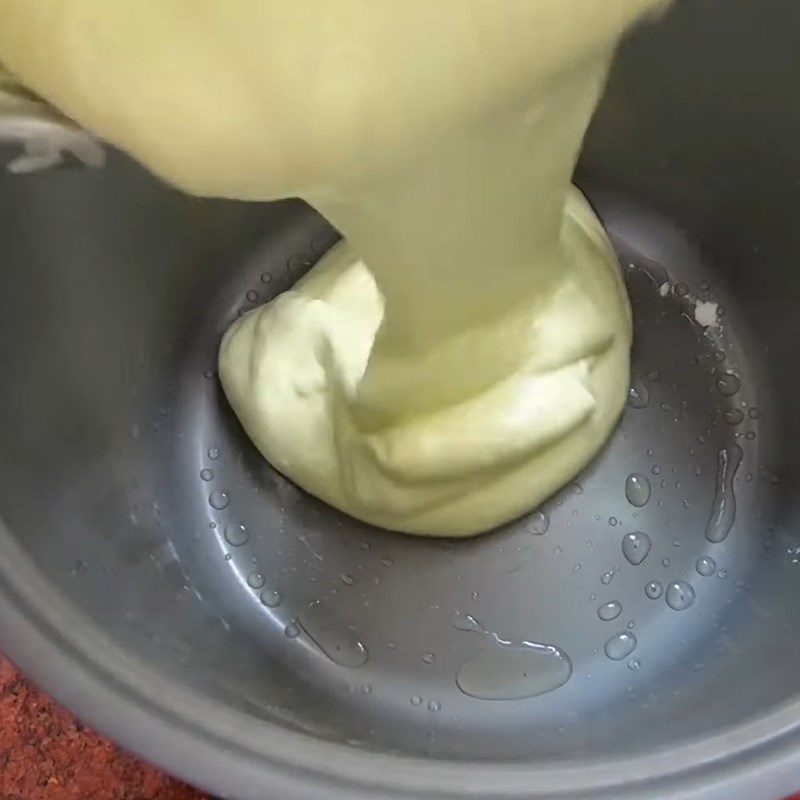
column 338, row 641
column 292, row 630
column 681, row 289
column 665, row 562
column 734, row 416
column 609, row 611
column 607, row 577
column 236, row 534
column 653, row 375
column 434, row 705
column 577, row 568
column 428, row 658
column 631, row 625
column 722, row 574
column 676, row 542
column 656, row 470
column 705, row 285
column 366, row 689
column 634, row 665
column 754, row 413
column 613, row 522
column 416, row 700
column 706, row 566
column 213, row 453
column 271, row 598
column 637, row 489
column 514, row 670
column 638, row 395
column 348, row 580
column 728, row 384
column 620, row 646
column 467, row 623
column 208, row 374
column 540, row 523
column 251, row 295
column 654, row 590
column 680, row 595
column 219, row 499
column 387, row 562
column 207, row 474
column 266, row 277
column 577, row 488
column 255, row 580
column 723, row 510
column 474, row 595
column 750, row 435
column 636, row 547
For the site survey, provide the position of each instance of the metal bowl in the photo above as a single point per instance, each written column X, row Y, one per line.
column 306, row 655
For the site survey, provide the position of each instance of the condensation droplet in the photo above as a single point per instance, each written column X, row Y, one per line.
column 266, row 277
column 213, row 453
column 236, row 534
column 292, row 630
column 607, row 577
column 638, row 395
column 434, row 705
column 255, row 580
column 207, row 474
column 251, row 295
column 634, row 665
column 338, row 641
column 347, row 580
column 636, row 547
column 620, row 646
column 219, row 499
column 754, row 413
column 728, row 384
column 734, row 416
column 613, row 522
column 680, row 595
column 540, row 523
column 654, row 590
column 723, row 509
column 706, row 566
column 428, row 658
column 637, row 489
column 416, row 700
column 271, row 598
column 609, row 611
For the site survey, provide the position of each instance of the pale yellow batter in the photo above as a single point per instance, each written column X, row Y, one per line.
column 464, row 352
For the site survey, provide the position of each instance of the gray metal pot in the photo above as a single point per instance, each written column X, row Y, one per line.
column 308, row 656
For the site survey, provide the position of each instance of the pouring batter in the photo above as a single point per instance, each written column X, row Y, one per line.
column 464, row 351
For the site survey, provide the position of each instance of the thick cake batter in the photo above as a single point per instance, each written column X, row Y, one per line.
column 464, row 351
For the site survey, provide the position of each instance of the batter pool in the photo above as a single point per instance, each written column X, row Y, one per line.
column 463, row 352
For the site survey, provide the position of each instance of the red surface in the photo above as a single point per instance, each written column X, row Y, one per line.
column 45, row 754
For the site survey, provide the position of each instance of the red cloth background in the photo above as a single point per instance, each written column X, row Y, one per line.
column 45, row 754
